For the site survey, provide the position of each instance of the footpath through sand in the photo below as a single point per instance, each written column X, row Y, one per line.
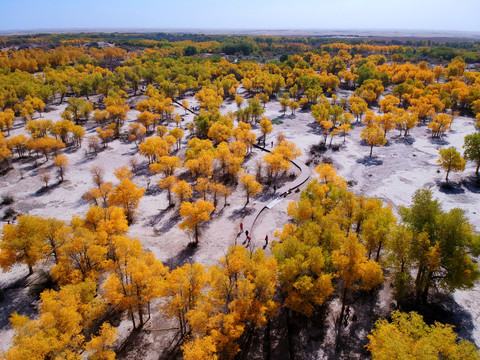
column 249, row 220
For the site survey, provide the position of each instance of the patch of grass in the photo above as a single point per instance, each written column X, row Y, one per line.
column 277, row 121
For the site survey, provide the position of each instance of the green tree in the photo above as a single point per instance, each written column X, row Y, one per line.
column 451, row 160
column 399, row 259
column 190, row 50
column 472, row 149
column 303, row 271
column 441, row 246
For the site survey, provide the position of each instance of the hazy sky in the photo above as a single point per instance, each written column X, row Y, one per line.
column 460, row 15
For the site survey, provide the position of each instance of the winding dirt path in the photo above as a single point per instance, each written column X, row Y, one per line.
column 249, row 220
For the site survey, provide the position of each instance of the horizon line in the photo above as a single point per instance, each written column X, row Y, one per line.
column 247, row 31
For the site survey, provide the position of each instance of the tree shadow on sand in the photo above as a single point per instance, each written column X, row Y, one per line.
column 407, row 140
column 169, row 224
column 314, row 129
column 143, row 169
column 183, row 257
column 131, row 152
column 71, row 149
column 157, row 218
column 369, row 161
column 21, row 296
column 44, row 190
column 444, row 309
column 352, row 339
column 438, row 141
column 450, row 188
column 240, row 213
column 90, row 156
column 306, row 333
column 472, row 183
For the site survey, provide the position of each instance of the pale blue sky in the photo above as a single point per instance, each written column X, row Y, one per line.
column 459, row 15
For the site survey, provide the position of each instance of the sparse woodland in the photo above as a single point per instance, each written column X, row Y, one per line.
column 336, row 249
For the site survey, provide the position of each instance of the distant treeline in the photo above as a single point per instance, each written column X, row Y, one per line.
column 244, row 45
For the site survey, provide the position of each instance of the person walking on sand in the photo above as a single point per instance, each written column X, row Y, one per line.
column 241, row 227
column 272, row 144
column 246, row 233
column 248, row 241
column 266, row 240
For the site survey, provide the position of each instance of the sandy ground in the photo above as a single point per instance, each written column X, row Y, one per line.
column 393, row 174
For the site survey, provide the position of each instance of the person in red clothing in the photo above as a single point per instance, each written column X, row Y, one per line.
column 266, row 240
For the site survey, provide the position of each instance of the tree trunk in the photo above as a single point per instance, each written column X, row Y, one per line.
column 54, row 251
column 132, row 317
column 425, row 295
column 140, row 314
column 339, row 328
column 30, row 269
column 418, row 285
column 371, row 150
column 378, row 251
column 446, row 177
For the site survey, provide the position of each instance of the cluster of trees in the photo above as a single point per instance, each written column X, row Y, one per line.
column 181, row 44
column 38, row 59
column 337, row 240
column 417, row 92
column 340, row 239
column 416, row 97
column 92, row 256
column 451, row 160
column 213, row 167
